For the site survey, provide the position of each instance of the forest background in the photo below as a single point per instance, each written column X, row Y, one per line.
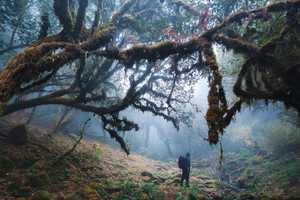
column 222, row 74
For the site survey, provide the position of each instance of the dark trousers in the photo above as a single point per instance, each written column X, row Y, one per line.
column 185, row 176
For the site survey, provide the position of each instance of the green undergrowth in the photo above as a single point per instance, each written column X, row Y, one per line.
column 91, row 171
column 263, row 175
column 97, row 171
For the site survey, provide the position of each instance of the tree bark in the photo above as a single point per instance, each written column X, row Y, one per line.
column 80, row 19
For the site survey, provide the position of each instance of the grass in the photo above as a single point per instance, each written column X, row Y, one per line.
column 74, row 196
column 119, row 177
column 272, row 167
column 129, row 191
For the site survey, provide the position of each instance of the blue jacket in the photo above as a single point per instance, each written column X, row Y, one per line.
column 187, row 162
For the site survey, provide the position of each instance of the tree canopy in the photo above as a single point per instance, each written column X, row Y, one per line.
column 106, row 56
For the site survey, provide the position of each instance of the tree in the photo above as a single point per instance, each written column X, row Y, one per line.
column 148, row 54
column 19, row 22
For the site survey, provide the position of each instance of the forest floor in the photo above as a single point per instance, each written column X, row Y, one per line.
column 41, row 169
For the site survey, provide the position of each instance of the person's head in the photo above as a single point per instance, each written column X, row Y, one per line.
column 188, row 154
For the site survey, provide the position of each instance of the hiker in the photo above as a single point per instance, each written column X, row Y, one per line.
column 186, row 170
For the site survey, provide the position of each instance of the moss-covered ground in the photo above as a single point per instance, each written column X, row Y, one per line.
column 98, row 171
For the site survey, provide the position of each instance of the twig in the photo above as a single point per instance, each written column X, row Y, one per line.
column 74, row 146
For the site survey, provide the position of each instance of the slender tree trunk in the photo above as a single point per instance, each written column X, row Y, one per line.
column 68, row 119
column 13, row 35
column 166, row 142
column 58, row 125
column 147, row 131
column 20, row 17
column 32, row 112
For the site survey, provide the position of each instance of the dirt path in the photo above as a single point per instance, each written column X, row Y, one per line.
column 164, row 175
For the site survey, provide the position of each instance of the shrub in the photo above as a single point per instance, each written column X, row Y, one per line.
column 280, row 137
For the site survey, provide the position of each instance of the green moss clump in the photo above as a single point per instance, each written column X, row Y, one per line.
column 18, row 186
column 89, row 193
column 42, row 195
column 96, row 185
column 75, row 173
column 6, row 165
column 69, row 186
column 40, row 179
column 74, row 196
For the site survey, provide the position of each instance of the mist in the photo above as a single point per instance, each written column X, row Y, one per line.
column 149, row 99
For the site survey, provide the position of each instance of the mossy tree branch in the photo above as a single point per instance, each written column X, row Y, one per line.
column 35, row 60
column 117, row 15
column 187, row 7
column 27, row 70
column 152, row 53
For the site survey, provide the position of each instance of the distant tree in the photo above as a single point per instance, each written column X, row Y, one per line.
column 19, row 24
column 148, row 54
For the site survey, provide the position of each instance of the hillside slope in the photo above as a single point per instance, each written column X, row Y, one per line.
column 44, row 168
column 37, row 170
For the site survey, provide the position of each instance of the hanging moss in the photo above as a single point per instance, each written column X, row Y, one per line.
column 218, row 78
column 36, row 60
column 213, row 136
column 216, row 97
column 213, row 115
column 223, row 100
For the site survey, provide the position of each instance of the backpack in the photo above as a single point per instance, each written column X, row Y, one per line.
column 181, row 162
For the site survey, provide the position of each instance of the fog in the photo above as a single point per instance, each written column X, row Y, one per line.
column 125, row 81
column 158, row 139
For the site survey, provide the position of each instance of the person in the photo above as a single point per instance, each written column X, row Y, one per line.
column 186, row 170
